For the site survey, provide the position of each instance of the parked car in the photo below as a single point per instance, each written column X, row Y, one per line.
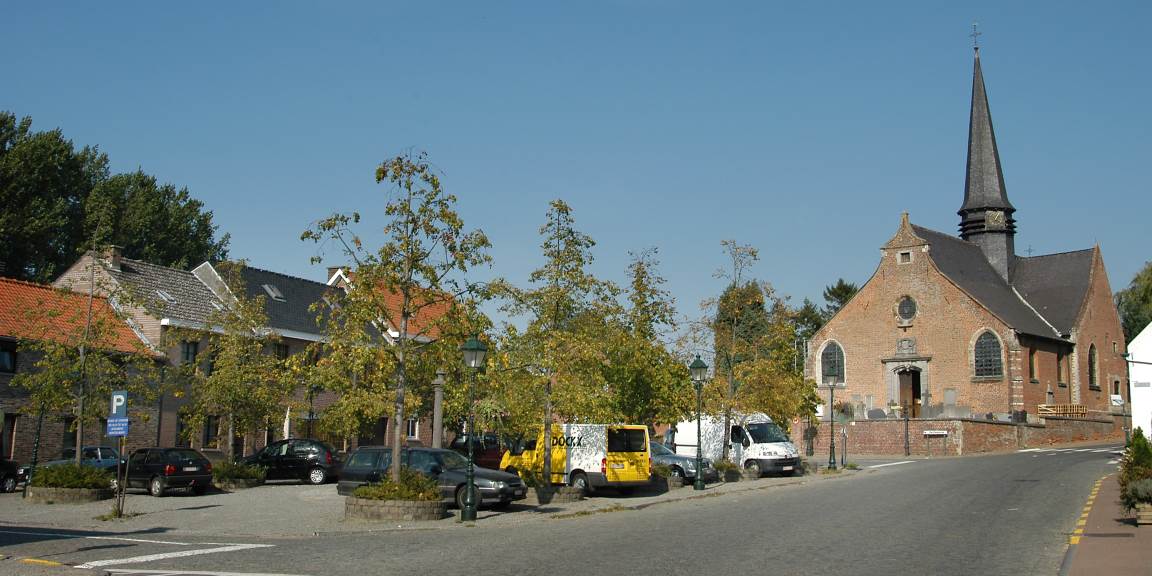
column 486, row 449
column 159, row 469
column 104, row 457
column 681, row 465
column 310, row 461
column 9, row 475
column 369, row 464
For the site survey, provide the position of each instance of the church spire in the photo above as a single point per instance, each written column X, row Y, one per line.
column 986, row 216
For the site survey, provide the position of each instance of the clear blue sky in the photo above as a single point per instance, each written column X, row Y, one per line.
column 803, row 129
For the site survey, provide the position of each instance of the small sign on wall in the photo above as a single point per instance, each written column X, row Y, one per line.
column 1117, row 400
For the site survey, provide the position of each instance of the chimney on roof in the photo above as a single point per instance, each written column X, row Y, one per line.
column 113, row 254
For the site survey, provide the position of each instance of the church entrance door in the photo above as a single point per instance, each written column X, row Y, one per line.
column 910, row 391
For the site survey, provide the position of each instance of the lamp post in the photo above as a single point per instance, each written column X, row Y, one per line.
column 474, row 353
column 831, row 382
column 699, row 371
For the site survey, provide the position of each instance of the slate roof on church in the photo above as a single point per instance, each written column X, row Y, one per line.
column 965, row 264
column 1055, row 284
column 168, row 292
column 292, row 309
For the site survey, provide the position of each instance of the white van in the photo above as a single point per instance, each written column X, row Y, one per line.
column 755, row 442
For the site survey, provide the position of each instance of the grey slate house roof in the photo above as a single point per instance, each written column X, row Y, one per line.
column 167, row 293
column 288, row 300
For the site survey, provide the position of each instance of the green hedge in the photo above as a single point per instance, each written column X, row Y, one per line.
column 226, row 471
column 71, row 476
column 412, row 486
column 1136, row 472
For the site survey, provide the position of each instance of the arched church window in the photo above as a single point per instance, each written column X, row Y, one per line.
column 987, row 356
column 832, row 363
column 1092, row 381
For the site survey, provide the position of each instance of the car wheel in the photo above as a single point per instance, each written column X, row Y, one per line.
column 579, row 481
column 8, row 484
column 753, row 467
column 460, row 498
column 677, row 472
column 156, row 486
column 317, row 475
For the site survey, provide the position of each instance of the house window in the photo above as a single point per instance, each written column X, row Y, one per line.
column 987, row 356
column 281, row 351
column 413, row 429
column 1093, row 382
column 832, row 363
column 905, row 257
column 69, row 440
column 188, row 351
column 211, row 431
column 1032, row 375
column 7, row 357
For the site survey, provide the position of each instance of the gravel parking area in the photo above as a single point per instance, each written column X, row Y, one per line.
column 295, row 510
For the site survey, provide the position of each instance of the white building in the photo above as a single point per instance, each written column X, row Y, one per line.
column 1140, row 375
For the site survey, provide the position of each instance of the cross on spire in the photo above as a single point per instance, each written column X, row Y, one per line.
column 975, row 36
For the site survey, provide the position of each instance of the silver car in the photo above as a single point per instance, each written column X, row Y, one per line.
column 681, row 465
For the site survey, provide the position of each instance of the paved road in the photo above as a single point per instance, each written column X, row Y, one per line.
column 1002, row 514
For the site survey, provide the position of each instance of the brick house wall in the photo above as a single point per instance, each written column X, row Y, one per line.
column 1099, row 324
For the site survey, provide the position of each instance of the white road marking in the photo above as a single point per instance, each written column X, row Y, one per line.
column 166, row 555
column 190, row 573
column 1029, row 450
column 892, row 464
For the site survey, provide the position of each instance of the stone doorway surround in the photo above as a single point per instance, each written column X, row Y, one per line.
column 892, row 369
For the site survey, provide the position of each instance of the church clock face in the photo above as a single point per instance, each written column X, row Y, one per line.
column 995, row 220
column 907, row 308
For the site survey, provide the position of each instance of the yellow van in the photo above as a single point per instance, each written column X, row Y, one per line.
column 587, row 456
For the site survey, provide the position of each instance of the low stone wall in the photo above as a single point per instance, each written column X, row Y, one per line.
column 45, row 495
column 393, row 509
column 557, row 495
column 961, row 435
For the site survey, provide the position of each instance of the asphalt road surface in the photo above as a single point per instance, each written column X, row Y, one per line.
column 1000, row 514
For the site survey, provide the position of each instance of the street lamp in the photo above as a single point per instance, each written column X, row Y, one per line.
column 831, row 382
column 699, row 371
column 474, row 353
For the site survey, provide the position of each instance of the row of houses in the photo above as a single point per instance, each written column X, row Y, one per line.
column 166, row 314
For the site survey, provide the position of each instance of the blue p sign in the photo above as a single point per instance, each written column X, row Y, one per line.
column 119, row 404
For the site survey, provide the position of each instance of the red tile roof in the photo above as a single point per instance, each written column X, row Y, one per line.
column 37, row 312
column 423, row 323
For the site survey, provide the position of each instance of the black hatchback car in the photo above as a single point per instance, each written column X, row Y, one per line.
column 369, row 464
column 158, row 469
column 311, row 461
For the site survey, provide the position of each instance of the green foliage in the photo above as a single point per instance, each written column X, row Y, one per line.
column 245, row 383
column 836, row 296
column 724, row 465
column 412, row 485
column 808, row 319
column 1135, row 466
column 661, row 470
column 57, row 200
column 413, row 286
column 71, row 476
column 1135, row 303
column 1137, row 492
column 226, row 471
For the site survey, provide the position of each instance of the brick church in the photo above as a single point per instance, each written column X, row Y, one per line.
column 964, row 328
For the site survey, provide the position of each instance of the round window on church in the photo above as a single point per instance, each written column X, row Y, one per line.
column 907, row 308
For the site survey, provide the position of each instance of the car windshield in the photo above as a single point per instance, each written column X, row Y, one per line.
column 452, row 460
column 765, row 432
column 660, row 450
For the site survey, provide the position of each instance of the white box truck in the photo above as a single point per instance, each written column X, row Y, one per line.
column 755, row 442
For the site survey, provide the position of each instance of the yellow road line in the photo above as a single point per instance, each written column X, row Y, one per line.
column 41, row 562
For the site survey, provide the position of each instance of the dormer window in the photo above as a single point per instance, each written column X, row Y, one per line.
column 165, row 296
column 274, row 292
